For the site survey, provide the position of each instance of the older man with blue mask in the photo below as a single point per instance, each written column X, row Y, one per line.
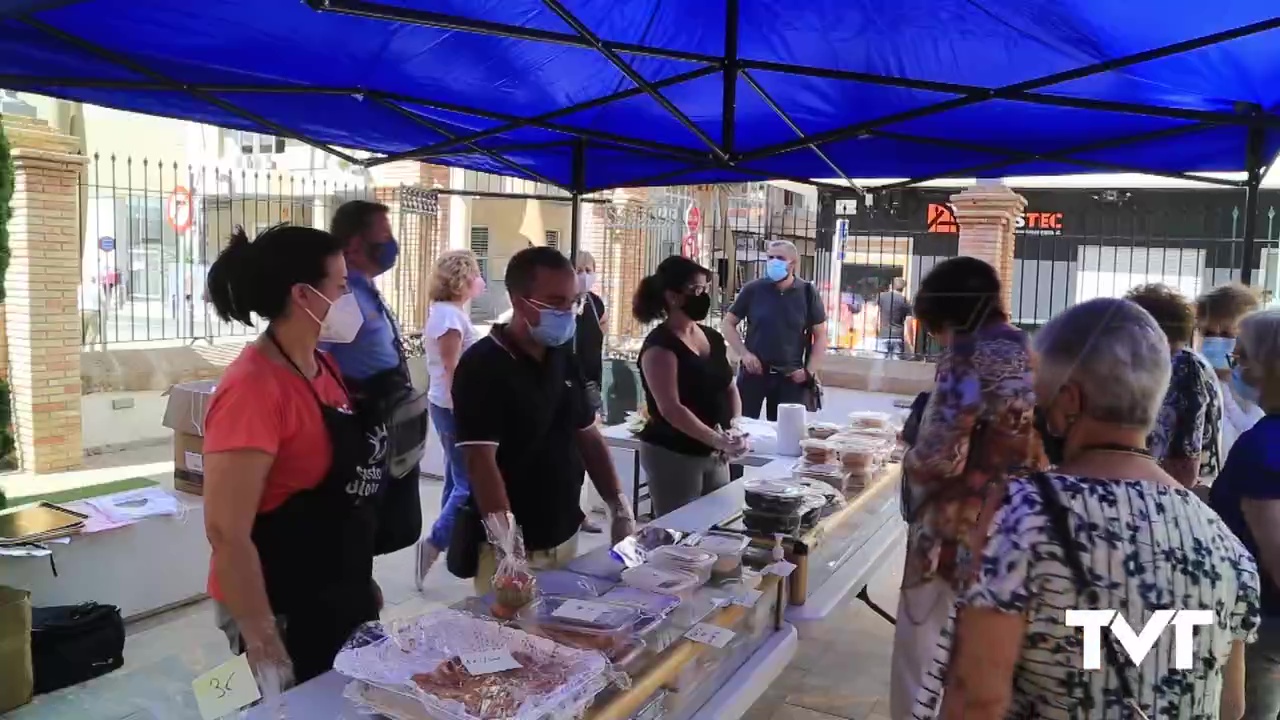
column 376, row 371
column 1218, row 315
column 786, row 335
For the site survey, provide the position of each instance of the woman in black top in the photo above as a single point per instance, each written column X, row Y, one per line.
column 688, row 387
column 588, row 347
column 589, row 336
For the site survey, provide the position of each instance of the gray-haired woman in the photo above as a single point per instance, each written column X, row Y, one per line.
column 1108, row 530
column 1247, row 495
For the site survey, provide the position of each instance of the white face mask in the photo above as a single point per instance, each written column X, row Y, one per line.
column 341, row 324
column 586, row 282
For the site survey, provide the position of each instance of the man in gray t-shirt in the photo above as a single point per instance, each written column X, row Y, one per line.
column 786, row 334
column 894, row 311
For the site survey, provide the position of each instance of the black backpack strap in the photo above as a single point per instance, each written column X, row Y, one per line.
column 1059, row 518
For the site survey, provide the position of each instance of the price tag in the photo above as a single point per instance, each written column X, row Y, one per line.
column 709, row 634
column 782, row 568
column 226, row 688
column 580, row 610
column 748, row 599
column 489, row 662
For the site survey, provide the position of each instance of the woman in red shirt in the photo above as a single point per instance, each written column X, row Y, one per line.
column 292, row 474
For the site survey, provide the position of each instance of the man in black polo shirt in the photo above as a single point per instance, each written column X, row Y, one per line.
column 524, row 423
column 786, row 334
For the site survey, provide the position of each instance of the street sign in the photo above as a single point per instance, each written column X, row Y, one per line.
column 693, row 219
column 106, row 243
column 178, row 211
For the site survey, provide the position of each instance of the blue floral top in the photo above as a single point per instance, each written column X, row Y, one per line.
column 1148, row 547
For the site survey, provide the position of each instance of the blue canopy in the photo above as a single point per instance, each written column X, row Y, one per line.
column 591, row 94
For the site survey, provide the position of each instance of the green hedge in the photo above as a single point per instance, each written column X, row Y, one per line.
column 6, row 196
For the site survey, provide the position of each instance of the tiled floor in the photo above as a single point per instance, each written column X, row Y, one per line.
column 840, row 671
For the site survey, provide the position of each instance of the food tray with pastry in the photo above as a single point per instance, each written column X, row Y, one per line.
column 461, row 667
column 777, row 496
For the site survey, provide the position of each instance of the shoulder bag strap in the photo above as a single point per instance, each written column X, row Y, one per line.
column 1060, row 531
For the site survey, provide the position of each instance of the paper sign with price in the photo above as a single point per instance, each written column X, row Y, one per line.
column 489, row 661
column 226, row 688
column 782, row 568
column 580, row 610
column 748, row 599
column 709, row 634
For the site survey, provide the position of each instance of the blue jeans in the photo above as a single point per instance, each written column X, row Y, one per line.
column 456, row 487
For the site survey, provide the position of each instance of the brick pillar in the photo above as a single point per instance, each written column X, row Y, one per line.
column 42, row 320
column 987, row 213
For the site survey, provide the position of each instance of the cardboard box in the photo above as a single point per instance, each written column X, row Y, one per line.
column 184, row 414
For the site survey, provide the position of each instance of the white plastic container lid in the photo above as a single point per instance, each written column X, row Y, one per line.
column 680, row 557
column 660, row 579
column 724, row 544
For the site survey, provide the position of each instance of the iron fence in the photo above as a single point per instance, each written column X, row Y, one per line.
column 151, row 229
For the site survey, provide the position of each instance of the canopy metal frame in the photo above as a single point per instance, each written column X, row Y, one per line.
column 725, row 154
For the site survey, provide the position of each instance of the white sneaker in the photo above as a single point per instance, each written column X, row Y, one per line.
column 427, row 556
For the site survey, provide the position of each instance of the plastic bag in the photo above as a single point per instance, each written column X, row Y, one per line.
column 431, row 658
column 513, row 584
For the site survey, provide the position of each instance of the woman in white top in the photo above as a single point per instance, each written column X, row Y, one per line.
column 448, row 333
column 1109, row 529
column 1218, row 315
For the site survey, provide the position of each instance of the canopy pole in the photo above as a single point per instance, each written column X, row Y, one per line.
column 1252, row 185
column 729, row 113
column 579, row 184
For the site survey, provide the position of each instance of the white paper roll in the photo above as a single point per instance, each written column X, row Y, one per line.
column 791, row 428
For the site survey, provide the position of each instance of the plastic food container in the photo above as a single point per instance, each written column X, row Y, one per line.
column 650, row 603
column 662, row 580
column 687, row 559
column 868, row 420
column 859, row 455
column 833, row 499
column 811, row 510
column 817, row 451
column 832, row 474
column 823, row 430
column 766, row 523
column 781, row 497
column 728, row 549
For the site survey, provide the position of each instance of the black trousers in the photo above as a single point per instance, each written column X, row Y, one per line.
column 767, row 389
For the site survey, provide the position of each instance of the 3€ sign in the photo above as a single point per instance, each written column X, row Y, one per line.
column 1138, row 645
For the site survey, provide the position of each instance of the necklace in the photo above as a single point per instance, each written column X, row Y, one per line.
column 1117, row 448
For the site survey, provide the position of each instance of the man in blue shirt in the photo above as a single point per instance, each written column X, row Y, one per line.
column 373, row 364
column 786, row 334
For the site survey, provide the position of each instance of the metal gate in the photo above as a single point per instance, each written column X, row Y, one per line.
column 416, row 219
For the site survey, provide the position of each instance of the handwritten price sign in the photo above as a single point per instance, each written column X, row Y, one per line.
column 489, row 662
column 748, row 599
column 782, row 568
column 707, row 634
column 580, row 610
column 226, row 688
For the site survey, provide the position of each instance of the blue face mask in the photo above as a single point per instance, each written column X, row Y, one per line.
column 776, row 269
column 1216, row 350
column 555, row 327
column 385, row 254
column 1242, row 389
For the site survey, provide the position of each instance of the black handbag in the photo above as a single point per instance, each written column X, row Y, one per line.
column 463, row 556
column 74, row 643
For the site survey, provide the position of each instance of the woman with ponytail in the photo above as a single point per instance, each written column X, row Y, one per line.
column 292, row 474
column 688, row 387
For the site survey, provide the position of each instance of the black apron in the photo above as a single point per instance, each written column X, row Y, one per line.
column 317, row 548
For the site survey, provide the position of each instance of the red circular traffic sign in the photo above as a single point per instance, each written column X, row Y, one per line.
column 178, row 210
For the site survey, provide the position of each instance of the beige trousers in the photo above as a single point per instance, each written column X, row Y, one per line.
column 556, row 557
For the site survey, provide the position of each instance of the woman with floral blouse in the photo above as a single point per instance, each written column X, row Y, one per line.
column 1187, row 433
column 977, row 426
column 1109, row 529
